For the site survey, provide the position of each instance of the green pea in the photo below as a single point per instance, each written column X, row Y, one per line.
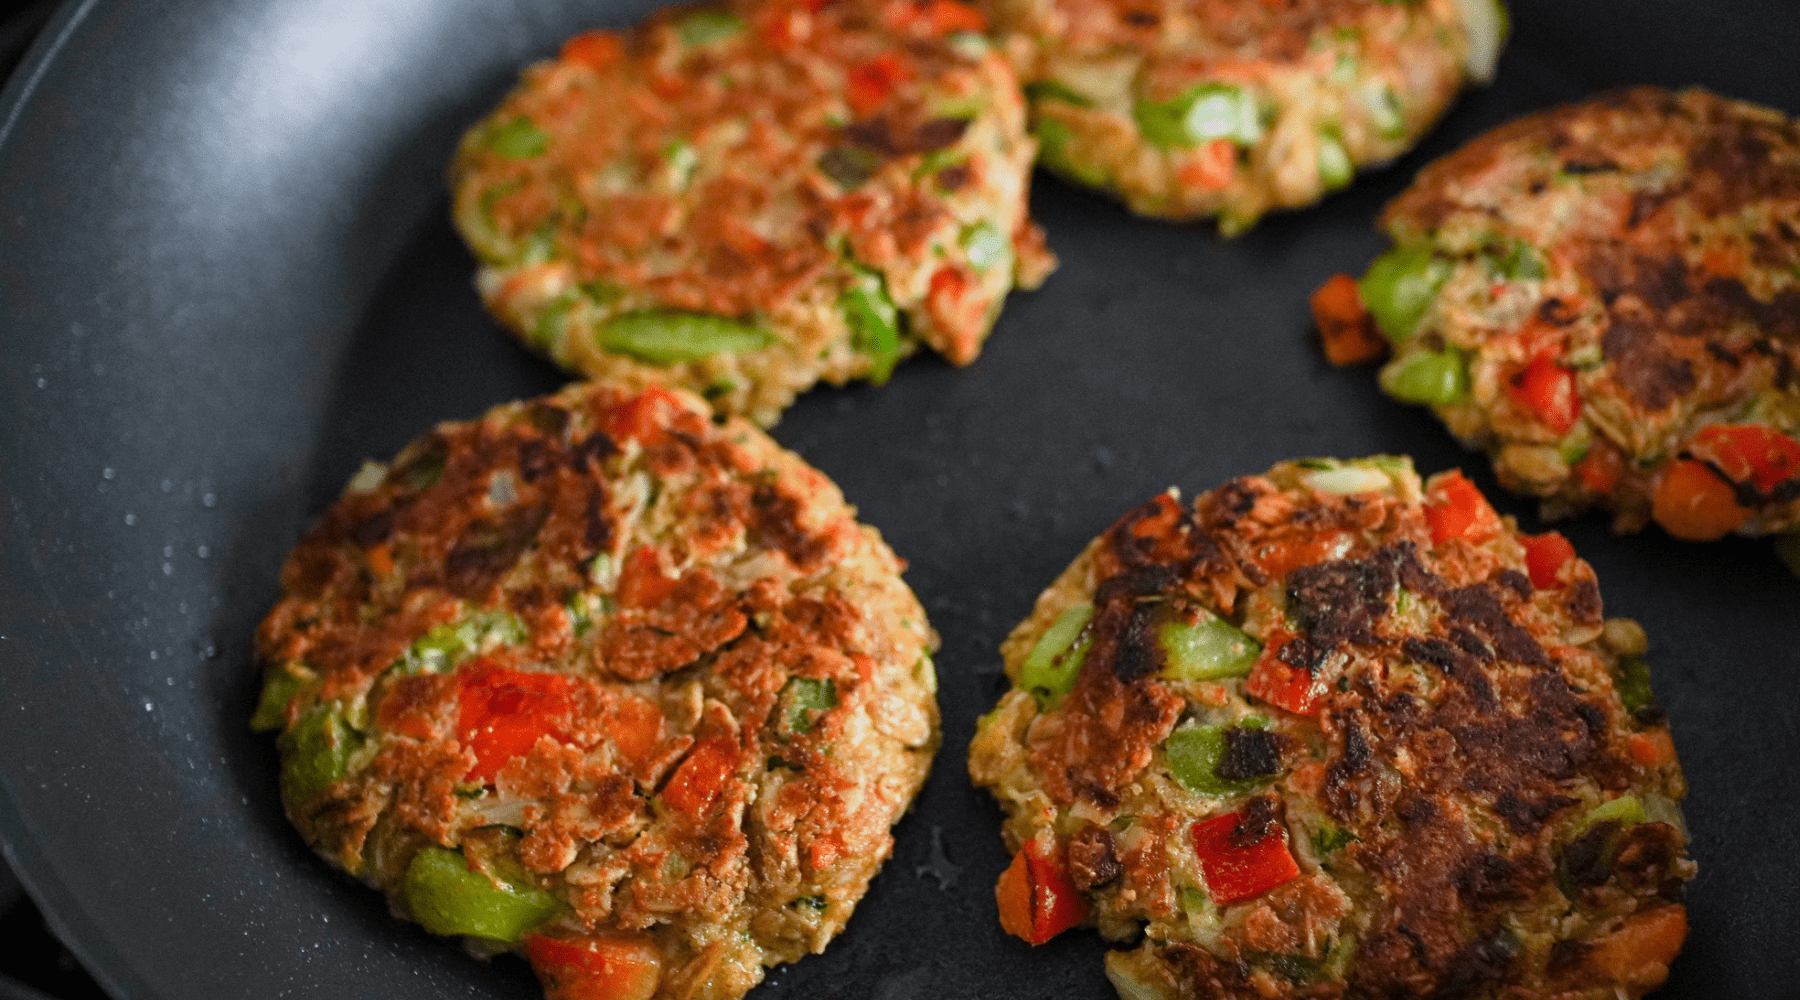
column 1436, row 378
column 1201, row 114
column 445, row 897
column 664, row 337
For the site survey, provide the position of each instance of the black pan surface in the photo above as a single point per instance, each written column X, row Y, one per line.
column 226, row 276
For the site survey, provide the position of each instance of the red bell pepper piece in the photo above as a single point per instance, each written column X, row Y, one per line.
column 1545, row 556
column 1240, row 866
column 606, row 967
column 1750, row 453
column 1037, row 899
column 643, row 417
column 870, row 84
column 501, row 714
column 1283, row 554
column 1692, row 503
column 1547, row 391
column 700, row 778
column 1601, row 468
column 596, row 50
column 1286, row 687
column 1455, row 508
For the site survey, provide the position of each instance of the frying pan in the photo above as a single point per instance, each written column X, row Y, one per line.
column 226, row 276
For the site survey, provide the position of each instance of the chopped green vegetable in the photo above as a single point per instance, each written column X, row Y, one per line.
column 1625, row 810
column 1575, row 445
column 1052, row 90
column 1335, row 168
column 1053, row 151
column 547, row 332
column 1194, row 755
column 682, row 160
column 663, row 337
column 813, row 903
column 1203, row 113
column 1515, row 261
column 1633, row 684
column 1194, row 900
column 282, row 683
column 445, row 897
column 874, row 322
column 802, row 698
column 1053, row 664
column 447, row 645
column 1384, row 112
column 1399, row 287
column 848, row 165
column 315, row 752
column 1328, row 839
column 984, row 244
column 705, row 27
column 1207, row 649
column 517, row 139
column 1432, row 377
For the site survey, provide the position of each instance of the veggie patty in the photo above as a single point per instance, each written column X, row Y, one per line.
column 1605, row 297
column 598, row 679
column 1332, row 732
column 743, row 199
column 1231, row 108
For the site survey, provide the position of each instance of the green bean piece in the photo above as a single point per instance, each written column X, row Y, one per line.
column 1625, row 810
column 1203, row 113
column 1054, row 663
column 1206, row 650
column 1436, row 378
column 280, row 685
column 802, row 699
column 984, row 244
column 1053, row 151
column 315, row 752
column 664, row 337
column 517, row 139
column 874, row 322
column 447, row 645
column 1194, row 755
column 445, row 897
column 1633, row 685
column 1399, row 287
column 1052, row 90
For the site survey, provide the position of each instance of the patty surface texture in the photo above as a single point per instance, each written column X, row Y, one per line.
column 1333, row 732
column 1232, row 108
column 743, row 199
column 1605, row 297
column 605, row 681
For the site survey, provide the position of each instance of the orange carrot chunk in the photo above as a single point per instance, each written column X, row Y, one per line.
column 1346, row 327
column 1694, row 504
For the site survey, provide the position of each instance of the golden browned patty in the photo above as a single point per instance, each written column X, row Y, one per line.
column 742, row 199
column 594, row 674
column 1231, row 108
column 1331, row 732
column 1605, row 297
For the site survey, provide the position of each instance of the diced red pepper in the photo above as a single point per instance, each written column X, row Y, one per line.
column 1241, row 865
column 1692, row 503
column 1283, row 554
column 946, row 16
column 501, row 714
column 1212, row 167
column 1037, row 899
column 870, row 84
column 700, row 778
column 1545, row 556
column 1346, row 328
column 634, row 724
column 1286, row 687
column 957, row 306
column 1547, row 391
column 1749, row 453
column 1455, row 508
column 605, row 967
column 1601, row 468
column 597, row 50
column 644, row 417
column 641, row 580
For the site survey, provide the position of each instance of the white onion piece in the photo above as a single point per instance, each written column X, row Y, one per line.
column 1485, row 21
column 1347, row 480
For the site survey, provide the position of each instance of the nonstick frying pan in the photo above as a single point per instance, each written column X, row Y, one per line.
column 226, row 276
